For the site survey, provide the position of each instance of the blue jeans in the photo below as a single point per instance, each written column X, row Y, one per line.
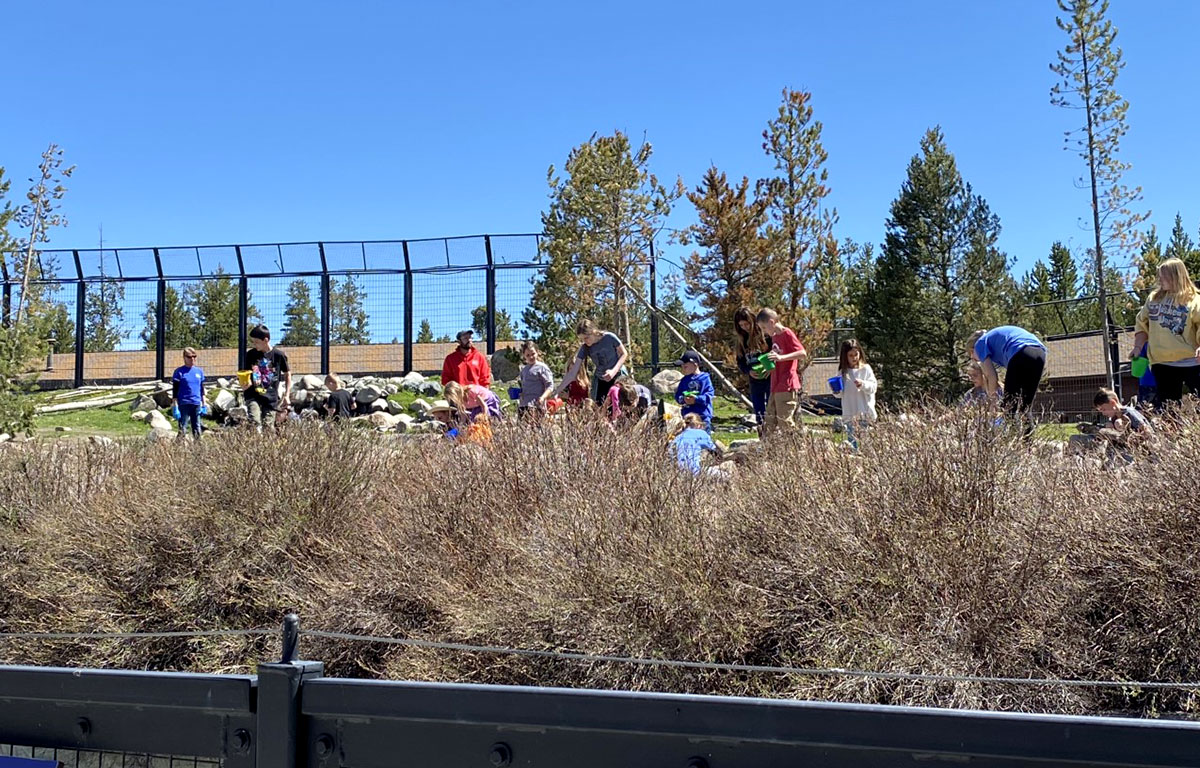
column 854, row 430
column 189, row 414
column 760, row 391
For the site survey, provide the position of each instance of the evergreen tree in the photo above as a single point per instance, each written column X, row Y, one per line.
column 443, row 339
column 213, row 305
column 425, row 335
column 1064, row 275
column 505, row 330
column 1147, row 264
column 180, row 326
column 59, row 326
column 799, row 225
column 604, row 213
column 1038, row 287
column 938, row 277
column 1181, row 247
column 348, row 318
column 1088, row 66
column 103, row 313
column 302, row 328
column 732, row 271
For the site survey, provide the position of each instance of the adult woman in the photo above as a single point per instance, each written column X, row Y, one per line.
column 1170, row 321
column 752, row 342
column 606, row 352
column 1022, row 357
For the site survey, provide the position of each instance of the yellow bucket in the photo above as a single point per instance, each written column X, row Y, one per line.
column 243, row 379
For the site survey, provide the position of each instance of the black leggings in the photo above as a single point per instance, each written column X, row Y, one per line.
column 1021, row 378
column 1171, row 378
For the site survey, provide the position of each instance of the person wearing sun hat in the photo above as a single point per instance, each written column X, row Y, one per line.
column 466, row 365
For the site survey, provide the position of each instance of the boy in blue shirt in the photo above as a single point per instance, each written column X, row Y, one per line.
column 691, row 444
column 695, row 391
column 187, row 392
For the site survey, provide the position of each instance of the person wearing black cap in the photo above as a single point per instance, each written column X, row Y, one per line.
column 466, row 364
column 695, row 391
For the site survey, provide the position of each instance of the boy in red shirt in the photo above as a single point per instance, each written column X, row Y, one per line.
column 466, row 364
column 786, row 350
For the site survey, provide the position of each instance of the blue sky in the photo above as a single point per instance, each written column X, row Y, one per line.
column 229, row 122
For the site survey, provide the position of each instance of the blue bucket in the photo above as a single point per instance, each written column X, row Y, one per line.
column 514, row 393
column 835, row 383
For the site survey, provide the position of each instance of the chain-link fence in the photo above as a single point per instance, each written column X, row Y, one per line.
column 390, row 307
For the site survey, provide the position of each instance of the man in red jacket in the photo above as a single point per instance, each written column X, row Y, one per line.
column 466, row 364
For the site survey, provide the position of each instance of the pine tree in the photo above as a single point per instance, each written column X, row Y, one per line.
column 799, row 225
column 604, row 213
column 302, row 328
column 348, row 318
column 505, row 330
column 938, row 277
column 180, row 326
column 1038, row 287
column 1147, row 264
column 1181, row 247
column 103, row 313
column 213, row 304
column 425, row 335
column 1088, row 66
column 60, row 328
column 732, row 270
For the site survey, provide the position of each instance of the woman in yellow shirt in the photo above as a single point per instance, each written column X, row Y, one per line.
column 1170, row 321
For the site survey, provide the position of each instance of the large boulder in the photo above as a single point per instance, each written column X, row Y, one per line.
column 376, row 406
column 144, row 403
column 384, row 420
column 431, row 389
column 404, row 422
column 141, row 415
column 157, row 421
column 505, row 368
column 162, row 395
column 160, row 435
column 223, row 401
column 317, row 399
column 368, row 393
column 412, row 381
column 394, row 407
column 310, row 381
column 421, row 407
column 238, row 413
column 299, row 399
column 665, row 382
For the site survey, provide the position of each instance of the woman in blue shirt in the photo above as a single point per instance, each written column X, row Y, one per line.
column 1020, row 354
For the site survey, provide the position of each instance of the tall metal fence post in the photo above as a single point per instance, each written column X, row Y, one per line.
column 654, row 352
column 491, row 296
column 80, row 330
column 243, row 307
column 408, row 311
column 1114, row 352
column 325, row 286
column 7, row 300
column 160, row 322
column 278, row 737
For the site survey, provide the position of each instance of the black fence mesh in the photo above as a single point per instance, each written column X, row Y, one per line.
column 86, row 758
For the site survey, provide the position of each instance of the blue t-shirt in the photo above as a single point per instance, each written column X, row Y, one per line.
column 190, row 379
column 1000, row 344
column 690, row 446
column 700, row 383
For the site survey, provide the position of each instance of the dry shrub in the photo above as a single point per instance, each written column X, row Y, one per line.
column 949, row 549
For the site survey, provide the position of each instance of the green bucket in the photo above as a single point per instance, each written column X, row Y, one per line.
column 1139, row 366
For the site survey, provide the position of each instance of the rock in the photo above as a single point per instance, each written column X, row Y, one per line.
column 223, row 401
column 5, row 437
column 749, row 420
column 405, row 422
column 368, row 394
column 223, row 383
column 101, row 440
column 376, row 406
column 299, row 399
column 743, row 445
column 157, row 421
column 162, row 396
column 311, row 382
column 62, row 429
column 394, row 407
column 412, row 381
column 391, row 389
column 309, row 414
column 421, row 407
column 384, row 420
column 665, row 382
column 431, row 389
column 160, row 435
column 144, row 403
column 505, row 368
column 237, row 413
column 317, row 398
column 140, row 415
column 397, row 380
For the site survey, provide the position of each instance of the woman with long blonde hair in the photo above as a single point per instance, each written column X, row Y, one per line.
column 1170, row 321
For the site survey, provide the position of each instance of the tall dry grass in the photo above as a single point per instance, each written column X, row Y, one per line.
column 956, row 550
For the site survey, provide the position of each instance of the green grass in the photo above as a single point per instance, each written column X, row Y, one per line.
column 112, row 421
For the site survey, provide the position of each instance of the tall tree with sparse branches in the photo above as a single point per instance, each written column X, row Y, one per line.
column 1089, row 65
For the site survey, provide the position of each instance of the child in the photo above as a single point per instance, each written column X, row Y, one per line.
column 751, row 344
column 187, row 393
column 786, row 351
column 340, row 404
column 579, row 390
column 978, row 393
column 858, row 390
column 268, row 366
column 473, row 400
column 691, row 444
column 627, row 400
column 537, row 382
column 1126, row 426
column 695, row 391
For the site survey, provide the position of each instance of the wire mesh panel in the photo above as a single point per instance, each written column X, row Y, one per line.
column 514, row 249
column 86, row 758
column 445, row 303
column 115, row 317
column 385, row 256
column 514, row 291
column 366, row 324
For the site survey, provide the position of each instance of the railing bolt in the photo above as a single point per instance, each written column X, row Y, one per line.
column 83, row 726
column 241, row 740
column 324, row 745
column 501, row 755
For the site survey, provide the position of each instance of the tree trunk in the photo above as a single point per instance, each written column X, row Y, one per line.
column 1101, row 289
